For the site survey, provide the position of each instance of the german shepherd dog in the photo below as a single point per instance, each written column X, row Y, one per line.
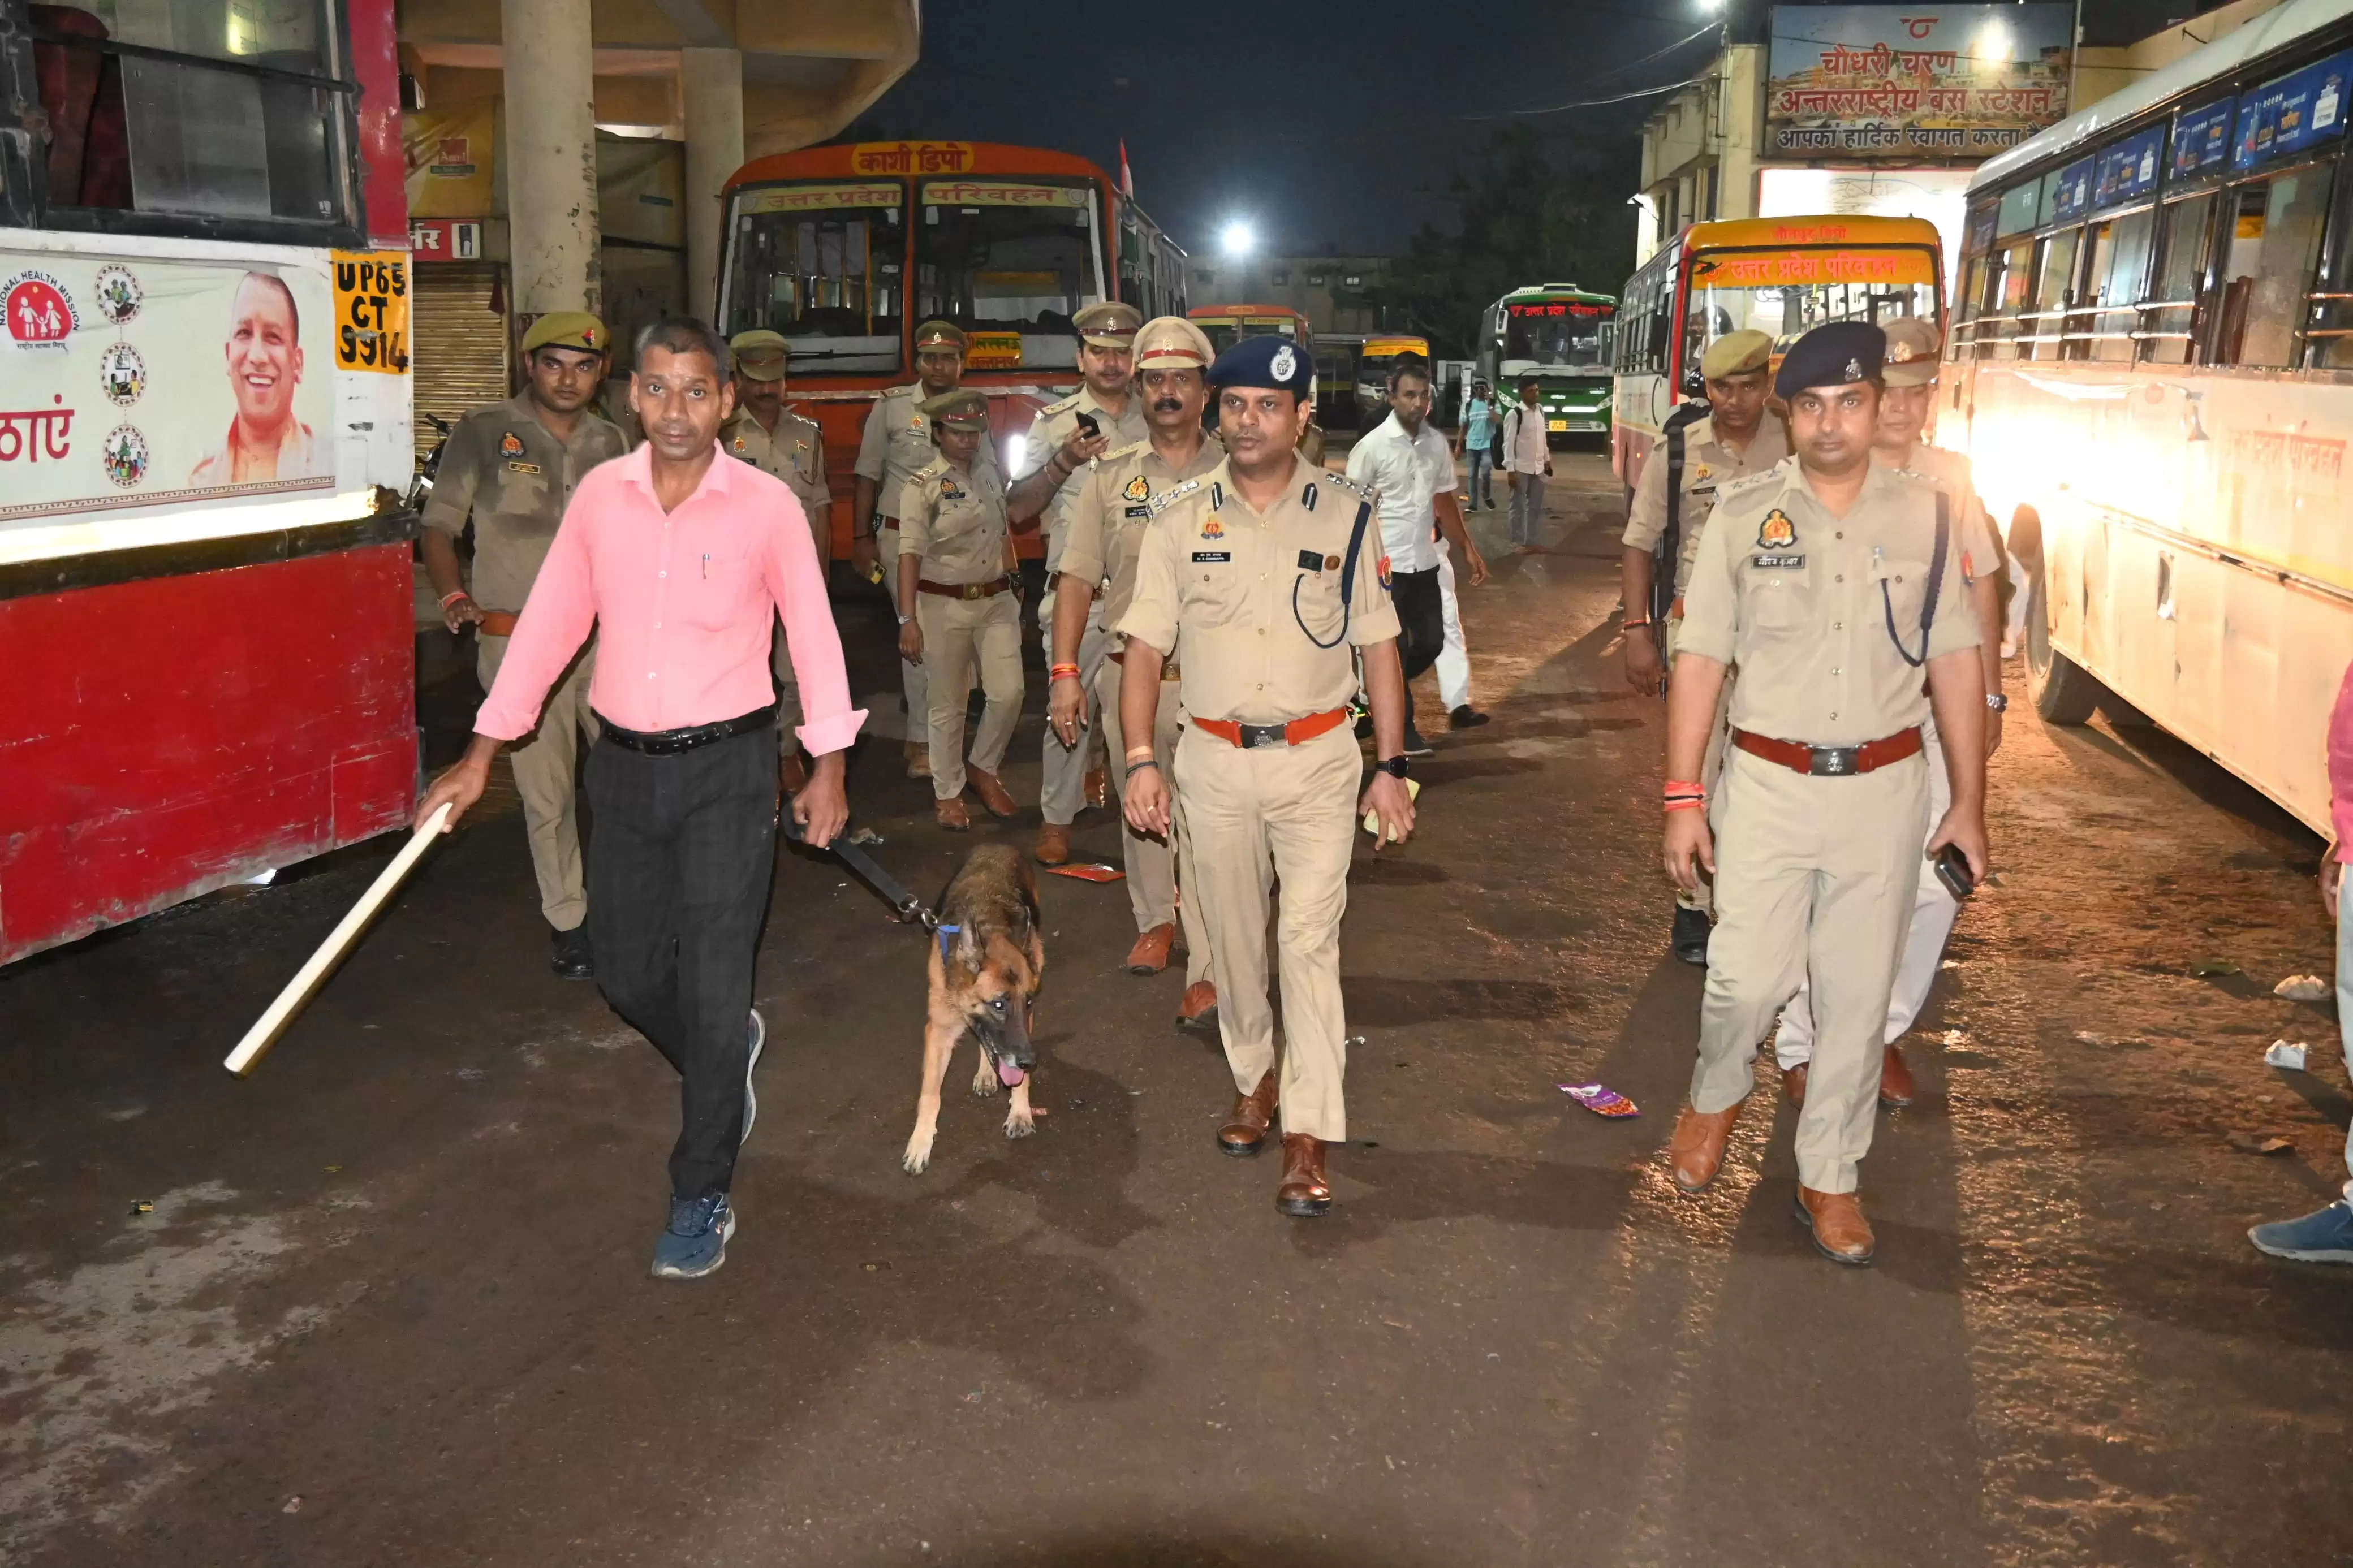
column 984, row 967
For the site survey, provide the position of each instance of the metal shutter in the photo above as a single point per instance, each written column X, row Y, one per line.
column 459, row 351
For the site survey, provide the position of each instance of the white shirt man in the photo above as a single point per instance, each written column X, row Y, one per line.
column 1526, row 448
column 1404, row 470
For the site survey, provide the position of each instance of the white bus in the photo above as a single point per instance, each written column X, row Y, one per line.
column 2150, row 372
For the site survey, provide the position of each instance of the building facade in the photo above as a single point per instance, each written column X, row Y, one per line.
column 1334, row 292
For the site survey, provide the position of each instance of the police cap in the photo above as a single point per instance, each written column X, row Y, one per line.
column 1912, row 345
column 1171, row 342
column 760, row 354
column 1110, row 325
column 938, row 335
column 567, row 329
column 965, row 409
column 1735, row 353
column 1266, row 361
column 1832, row 356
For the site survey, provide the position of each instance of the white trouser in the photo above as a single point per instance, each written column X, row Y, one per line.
column 1454, row 658
column 1934, row 910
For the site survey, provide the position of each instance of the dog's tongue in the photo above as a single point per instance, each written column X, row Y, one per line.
column 1011, row 1075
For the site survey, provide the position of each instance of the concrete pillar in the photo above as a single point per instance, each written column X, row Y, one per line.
column 550, row 141
column 710, row 81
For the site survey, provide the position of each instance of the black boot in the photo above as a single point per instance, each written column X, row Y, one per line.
column 570, row 957
column 1692, row 927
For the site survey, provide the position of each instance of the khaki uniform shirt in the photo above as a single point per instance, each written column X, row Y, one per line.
column 1802, row 601
column 955, row 518
column 1972, row 530
column 794, row 454
column 1244, row 600
column 895, row 446
column 1051, row 431
column 1709, row 464
column 504, row 467
column 1104, row 532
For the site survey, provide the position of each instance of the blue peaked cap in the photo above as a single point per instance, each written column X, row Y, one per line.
column 1265, row 361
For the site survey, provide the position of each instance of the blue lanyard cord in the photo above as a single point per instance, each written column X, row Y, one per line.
column 1929, row 606
column 1347, row 583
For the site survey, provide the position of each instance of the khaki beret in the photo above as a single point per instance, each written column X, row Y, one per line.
column 1172, row 341
column 1912, row 345
column 761, row 354
column 965, row 409
column 1110, row 325
column 938, row 335
column 1735, row 353
column 567, row 329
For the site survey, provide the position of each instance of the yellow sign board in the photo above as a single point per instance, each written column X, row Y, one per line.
column 372, row 311
column 1764, row 269
column 985, row 193
column 818, row 198
column 993, row 351
column 911, row 157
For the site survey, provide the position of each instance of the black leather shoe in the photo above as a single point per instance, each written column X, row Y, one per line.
column 571, row 958
column 1415, row 746
column 1691, row 936
column 1467, row 718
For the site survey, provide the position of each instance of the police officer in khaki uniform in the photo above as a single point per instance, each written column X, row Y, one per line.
column 1903, row 417
column 957, row 607
column 1832, row 582
column 1737, row 437
column 896, row 445
column 1263, row 577
column 512, row 467
column 1057, row 449
column 763, row 433
column 1103, row 532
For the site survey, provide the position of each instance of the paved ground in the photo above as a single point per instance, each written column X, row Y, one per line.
column 389, row 1305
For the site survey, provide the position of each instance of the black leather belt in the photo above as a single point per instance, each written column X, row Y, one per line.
column 670, row 742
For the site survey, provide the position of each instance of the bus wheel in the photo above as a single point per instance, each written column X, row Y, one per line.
column 2064, row 692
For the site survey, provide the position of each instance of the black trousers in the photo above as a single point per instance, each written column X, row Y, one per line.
column 1421, row 624
column 677, row 890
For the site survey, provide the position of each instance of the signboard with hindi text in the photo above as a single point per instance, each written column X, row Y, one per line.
column 985, row 192
column 129, row 381
column 820, row 199
column 1938, row 83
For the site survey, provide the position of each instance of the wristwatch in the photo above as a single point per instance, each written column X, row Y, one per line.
column 1997, row 701
column 1394, row 766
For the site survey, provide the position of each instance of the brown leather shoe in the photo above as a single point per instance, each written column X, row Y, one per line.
column 1793, row 1084
column 953, row 816
column 1304, row 1193
column 1053, row 845
column 919, row 760
column 1840, row 1233
column 1244, row 1133
column 1097, row 786
column 1198, row 1011
column 794, row 776
column 1895, row 1089
column 1150, row 953
column 1696, row 1151
column 992, row 793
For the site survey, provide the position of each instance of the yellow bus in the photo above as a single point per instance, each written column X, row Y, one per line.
column 2152, row 373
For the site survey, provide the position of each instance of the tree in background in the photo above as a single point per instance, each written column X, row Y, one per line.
column 1526, row 215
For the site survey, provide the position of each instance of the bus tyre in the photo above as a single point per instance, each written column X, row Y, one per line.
column 2064, row 692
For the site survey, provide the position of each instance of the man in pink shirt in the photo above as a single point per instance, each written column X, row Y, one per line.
column 682, row 558
column 2326, row 1236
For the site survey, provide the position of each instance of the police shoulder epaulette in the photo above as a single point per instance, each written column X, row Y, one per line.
column 1362, row 491
column 1168, row 497
column 1747, row 484
column 1064, row 407
column 1120, row 454
column 936, row 468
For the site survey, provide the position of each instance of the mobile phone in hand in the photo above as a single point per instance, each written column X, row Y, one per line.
column 1953, row 871
column 1087, row 424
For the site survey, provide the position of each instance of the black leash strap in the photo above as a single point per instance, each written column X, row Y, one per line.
column 1347, row 582
column 1936, row 583
column 905, row 907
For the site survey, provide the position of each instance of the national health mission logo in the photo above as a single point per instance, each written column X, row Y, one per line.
column 40, row 312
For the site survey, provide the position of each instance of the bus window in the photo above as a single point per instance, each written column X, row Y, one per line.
column 2118, row 267
column 999, row 257
column 2055, row 277
column 1785, row 312
column 2009, row 273
column 2169, row 320
column 1557, row 333
column 2267, row 270
column 820, row 264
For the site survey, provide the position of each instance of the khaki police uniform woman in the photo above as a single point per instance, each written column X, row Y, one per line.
column 895, row 446
column 508, row 468
column 1264, row 578
column 1831, row 582
column 958, row 609
column 779, row 442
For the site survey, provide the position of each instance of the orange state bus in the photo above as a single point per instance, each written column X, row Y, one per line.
column 846, row 249
column 1226, row 325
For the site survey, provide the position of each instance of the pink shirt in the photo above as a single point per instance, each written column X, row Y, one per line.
column 683, row 604
column 2340, row 768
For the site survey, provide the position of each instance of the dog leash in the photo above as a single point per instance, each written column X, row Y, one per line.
column 907, row 908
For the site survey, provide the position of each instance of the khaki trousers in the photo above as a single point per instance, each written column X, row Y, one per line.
column 545, row 766
column 960, row 637
column 1811, row 874
column 1063, row 769
column 913, row 679
column 1710, row 763
column 1254, row 816
column 1160, row 876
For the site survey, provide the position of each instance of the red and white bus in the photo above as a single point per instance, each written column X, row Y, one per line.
column 847, row 249
column 205, row 610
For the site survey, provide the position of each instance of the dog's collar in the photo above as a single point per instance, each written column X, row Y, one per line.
column 946, row 932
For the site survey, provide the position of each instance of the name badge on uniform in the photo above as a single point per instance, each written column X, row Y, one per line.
column 1213, row 555
column 1788, row 562
column 522, row 467
column 1137, row 512
column 1311, row 560
column 948, row 491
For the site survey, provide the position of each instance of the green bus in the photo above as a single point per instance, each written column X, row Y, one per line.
column 1562, row 336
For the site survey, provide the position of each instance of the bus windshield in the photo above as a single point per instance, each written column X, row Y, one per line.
column 1010, row 261
column 820, row 263
column 1225, row 335
column 1555, row 334
column 1785, row 294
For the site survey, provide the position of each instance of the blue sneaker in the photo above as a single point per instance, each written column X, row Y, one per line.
column 695, row 1242
column 2325, row 1236
column 752, row 1100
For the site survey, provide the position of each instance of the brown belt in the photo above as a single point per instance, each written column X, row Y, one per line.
column 1299, row 731
column 964, row 590
column 1167, row 665
column 498, row 622
column 1832, row 761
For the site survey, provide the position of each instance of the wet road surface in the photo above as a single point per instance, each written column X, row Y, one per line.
column 389, row 1305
